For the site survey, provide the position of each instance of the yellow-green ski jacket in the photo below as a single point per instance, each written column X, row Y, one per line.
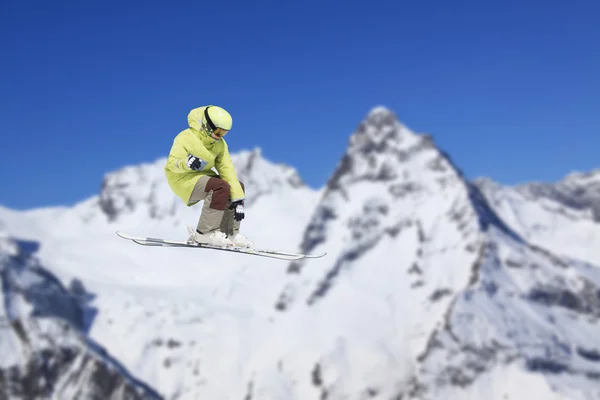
column 194, row 140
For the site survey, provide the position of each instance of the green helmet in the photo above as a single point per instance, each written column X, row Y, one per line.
column 216, row 117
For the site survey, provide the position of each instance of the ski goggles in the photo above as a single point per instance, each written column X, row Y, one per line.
column 219, row 132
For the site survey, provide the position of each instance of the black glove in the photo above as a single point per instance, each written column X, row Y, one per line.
column 238, row 208
column 195, row 163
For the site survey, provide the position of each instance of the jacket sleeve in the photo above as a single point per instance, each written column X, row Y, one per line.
column 177, row 160
column 226, row 169
column 183, row 145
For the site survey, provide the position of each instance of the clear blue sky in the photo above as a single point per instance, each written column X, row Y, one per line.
column 510, row 89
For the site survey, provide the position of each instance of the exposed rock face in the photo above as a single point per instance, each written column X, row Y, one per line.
column 45, row 351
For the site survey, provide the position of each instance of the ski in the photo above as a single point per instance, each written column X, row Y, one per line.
column 159, row 242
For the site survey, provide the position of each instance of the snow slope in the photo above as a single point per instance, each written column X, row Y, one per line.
column 44, row 352
column 428, row 291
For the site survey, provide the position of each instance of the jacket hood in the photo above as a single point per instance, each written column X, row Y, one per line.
column 195, row 124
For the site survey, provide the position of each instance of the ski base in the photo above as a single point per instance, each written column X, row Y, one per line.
column 159, row 242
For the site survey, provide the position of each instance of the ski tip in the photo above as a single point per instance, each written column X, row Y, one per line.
column 124, row 235
column 315, row 255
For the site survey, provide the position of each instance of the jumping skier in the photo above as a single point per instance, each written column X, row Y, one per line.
column 189, row 171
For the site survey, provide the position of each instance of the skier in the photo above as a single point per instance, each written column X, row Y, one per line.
column 189, row 171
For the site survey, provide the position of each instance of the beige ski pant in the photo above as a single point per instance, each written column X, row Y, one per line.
column 215, row 211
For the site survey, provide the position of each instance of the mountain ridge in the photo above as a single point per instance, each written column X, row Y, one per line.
column 430, row 288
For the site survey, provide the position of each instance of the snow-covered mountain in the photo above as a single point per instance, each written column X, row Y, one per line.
column 438, row 297
column 562, row 216
column 170, row 316
column 430, row 290
column 44, row 353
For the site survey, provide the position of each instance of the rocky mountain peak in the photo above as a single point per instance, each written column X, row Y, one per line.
column 261, row 176
column 591, row 177
column 578, row 190
column 379, row 131
column 144, row 188
column 405, row 231
column 381, row 149
column 391, row 185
